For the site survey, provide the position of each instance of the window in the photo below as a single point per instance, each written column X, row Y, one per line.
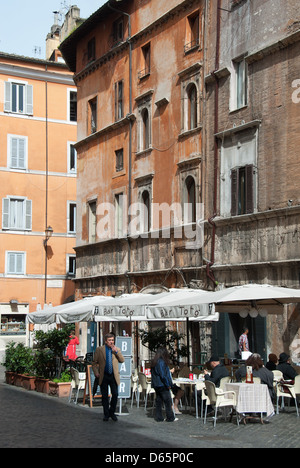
column 145, row 129
column 190, row 200
column 118, row 100
column 16, row 213
column 118, row 31
column 242, row 191
column 91, row 50
column 192, row 33
column 191, row 98
column 146, row 55
column 93, row 115
column 238, row 172
column 92, row 221
column 119, row 231
column 17, row 152
column 18, row 98
column 240, row 84
column 192, row 107
column 119, row 160
column 146, row 212
column 73, row 106
column 71, row 217
column 72, row 158
column 144, row 124
column 15, row 263
column 71, row 265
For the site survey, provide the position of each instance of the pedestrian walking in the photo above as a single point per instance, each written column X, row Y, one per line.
column 106, row 369
column 162, row 383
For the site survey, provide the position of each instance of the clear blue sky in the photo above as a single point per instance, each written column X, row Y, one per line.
column 24, row 25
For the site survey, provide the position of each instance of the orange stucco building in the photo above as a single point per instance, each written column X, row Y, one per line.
column 38, row 130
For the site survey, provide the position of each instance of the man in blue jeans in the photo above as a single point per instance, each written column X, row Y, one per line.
column 106, row 368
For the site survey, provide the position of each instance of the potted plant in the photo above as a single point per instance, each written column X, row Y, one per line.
column 8, row 363
column 42, row 360
column 19, row 360
column 61, row 387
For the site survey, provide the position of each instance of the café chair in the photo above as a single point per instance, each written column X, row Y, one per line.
column 284, row 390
column 219, row 399
column 77, row 383
column 145, row 387
column 136, row 389
column 277, row 376
column 224, row 381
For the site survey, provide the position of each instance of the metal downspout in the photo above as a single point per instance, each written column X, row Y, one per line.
column 216, row 149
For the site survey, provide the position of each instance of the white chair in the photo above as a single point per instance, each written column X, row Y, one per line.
column 224, row 381
column 136, row 389
column 77, row 383
column 219, row 399
column 277, row 376
column 145, row 387
column 283, row 391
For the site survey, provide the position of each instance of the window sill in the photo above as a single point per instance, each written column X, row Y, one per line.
column 189, row 132
column 233, row 111
column 144, row 152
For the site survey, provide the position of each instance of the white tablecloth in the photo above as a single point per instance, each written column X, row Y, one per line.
column 251, row 398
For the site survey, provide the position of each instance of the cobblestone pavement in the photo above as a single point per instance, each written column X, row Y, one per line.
column 33, row 420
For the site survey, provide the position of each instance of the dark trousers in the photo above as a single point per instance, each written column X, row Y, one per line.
column 109, row 381
column 163, row 396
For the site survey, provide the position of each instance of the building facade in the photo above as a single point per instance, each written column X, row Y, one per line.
column 187, row 154
column 252, row 164
column 38, row 130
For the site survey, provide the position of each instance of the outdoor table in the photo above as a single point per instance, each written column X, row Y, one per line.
column 251, row 398
column 192, row 383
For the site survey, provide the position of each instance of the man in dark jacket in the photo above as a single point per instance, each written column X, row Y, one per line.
column 218, row 371
column 285, row 367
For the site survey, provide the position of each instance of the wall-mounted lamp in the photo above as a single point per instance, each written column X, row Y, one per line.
column 48, row 234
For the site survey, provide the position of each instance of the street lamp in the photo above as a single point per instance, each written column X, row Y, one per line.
column 48, row 234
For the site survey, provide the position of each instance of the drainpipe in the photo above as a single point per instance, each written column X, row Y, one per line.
column 209, row 273
column 128, row 40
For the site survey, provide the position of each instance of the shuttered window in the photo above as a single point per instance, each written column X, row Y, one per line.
column 15, row 263
column 17, row 152
column 16, row 214
column 242, row 199
column 18, row 98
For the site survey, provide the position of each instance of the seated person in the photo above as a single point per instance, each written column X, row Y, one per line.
column 178, row 394
column 272, row 363
column 219, row 371
column 285, row 367
column 258, row 369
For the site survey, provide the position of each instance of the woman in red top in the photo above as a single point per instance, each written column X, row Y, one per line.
column 71, row 348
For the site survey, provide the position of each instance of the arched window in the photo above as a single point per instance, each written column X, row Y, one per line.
column 192, row 107
column 145, row 129
column 190, row 200
column 146, row 213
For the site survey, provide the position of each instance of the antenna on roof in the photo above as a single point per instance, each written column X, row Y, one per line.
column 37, row 50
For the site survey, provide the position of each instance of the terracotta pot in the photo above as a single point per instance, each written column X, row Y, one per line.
column 28, row 382
column 41, row 385
column 18, row 380
column 59, row 389
column 10, row 377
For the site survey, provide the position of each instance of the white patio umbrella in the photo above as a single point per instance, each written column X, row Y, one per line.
column 254, row 299
column 181, row 304
column 78, row 311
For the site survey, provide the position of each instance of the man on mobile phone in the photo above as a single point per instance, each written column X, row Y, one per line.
column 106, row 369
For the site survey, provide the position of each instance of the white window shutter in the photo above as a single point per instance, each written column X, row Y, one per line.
column 29, row 99
column 14, row 152
column 7, row 96
column 28, row 215
column 19, row 263
column 5, row 213
column 22, row 146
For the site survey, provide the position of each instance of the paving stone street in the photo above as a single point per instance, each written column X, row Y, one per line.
column 33, row 420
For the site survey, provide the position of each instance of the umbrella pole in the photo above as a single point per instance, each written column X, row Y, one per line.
column 188, row 338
